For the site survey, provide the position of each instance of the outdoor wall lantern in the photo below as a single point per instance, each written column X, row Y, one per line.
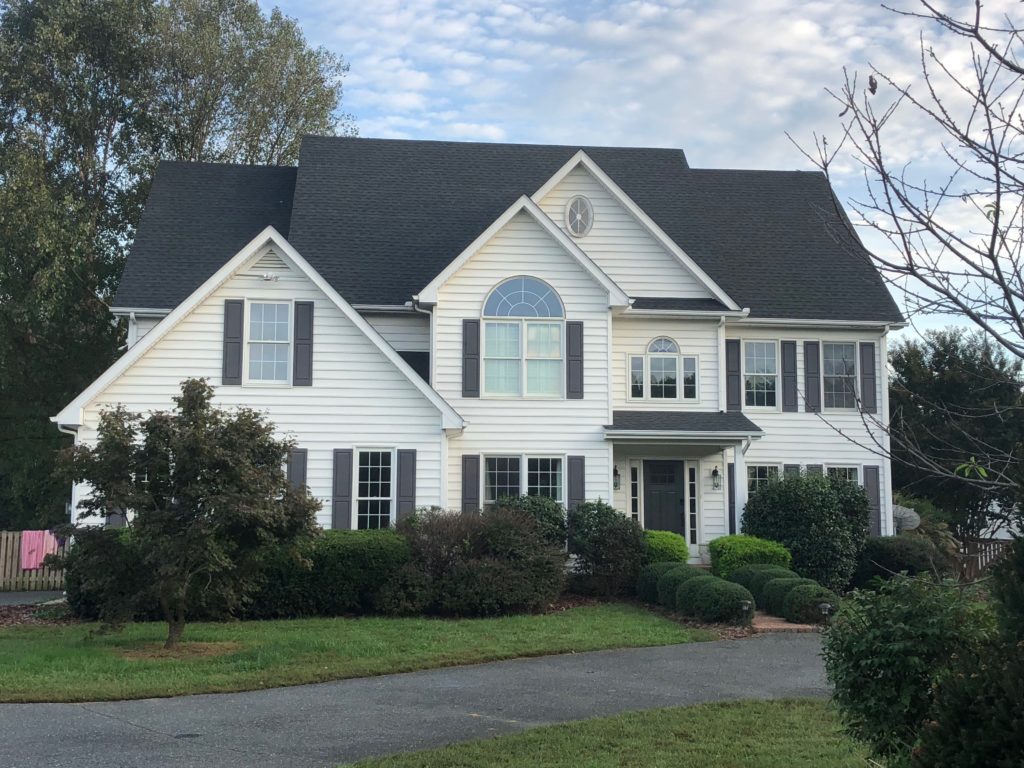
column 716, row 479
column 616, row 479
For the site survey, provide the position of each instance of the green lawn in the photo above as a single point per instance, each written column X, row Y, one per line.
column 64, row 663
column 752, row 734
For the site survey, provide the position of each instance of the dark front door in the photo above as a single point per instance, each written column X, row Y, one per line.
column 665, row 496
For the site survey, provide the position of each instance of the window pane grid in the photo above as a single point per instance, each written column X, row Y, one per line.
column 849, row 474
column 544, row 477
column 692, row 502
column 634, row 493
column 501, row 478
column 760, row 367
column 759, row 475
column 663, row 377
column 839, row 374
column 269, row 347
column 507, row 358
column 373, row 490
column 523, row 297
column 636, row 377
column 689, row 378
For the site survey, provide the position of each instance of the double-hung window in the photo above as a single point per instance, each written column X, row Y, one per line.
column 269, row 342
column 849, row 474
column 663, row 374
column 759, row 475
column 374, row 489
column 504, row 477
column 523, row 340
column 760, row 374
column 839, row 374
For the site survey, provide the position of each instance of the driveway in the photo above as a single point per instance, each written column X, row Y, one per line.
column 343, row 721
column 28, row 598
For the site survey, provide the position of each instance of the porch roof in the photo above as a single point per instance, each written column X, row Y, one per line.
column 719, row 426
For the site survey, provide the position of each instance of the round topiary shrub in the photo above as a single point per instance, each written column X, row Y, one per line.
column 647, row 581
column 775, row 592
column 803, row 603
column 665, row 547
column 729, row 553
column 758, row 580
column 718, row 601
column 670, row 581
column 744, row 575
column 686, row 593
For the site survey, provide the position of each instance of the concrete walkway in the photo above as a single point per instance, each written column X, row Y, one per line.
column 331, row 723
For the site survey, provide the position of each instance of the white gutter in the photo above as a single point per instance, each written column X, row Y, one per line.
column 880, row 324
column 140, row 311
column 665, row 434
column 688, row 313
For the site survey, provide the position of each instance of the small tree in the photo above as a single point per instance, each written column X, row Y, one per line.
column 206, row 489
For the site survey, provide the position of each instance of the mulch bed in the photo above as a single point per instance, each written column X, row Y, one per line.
column 32, row 615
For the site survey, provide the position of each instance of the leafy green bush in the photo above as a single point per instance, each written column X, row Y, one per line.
column 647, row 581
column 609, row 546
column 821, row 521
column 775, row 592
column 549, row 514
column 670, row 581
column 802, row 604
column 722, row 602
column 757, row 581
column 339, row 572
column 729, row 553
column 885, row 556
column 977, row 716
column 470, row 564
column 101, row 571
column 665, row 547
column 686, row 593
column 884, row 649
column 1008, row 590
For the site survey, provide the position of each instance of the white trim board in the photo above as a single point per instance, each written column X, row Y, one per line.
column 71, row 415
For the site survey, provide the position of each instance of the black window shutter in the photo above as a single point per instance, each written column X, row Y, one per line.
column 873, row 487
column 733, row 385
column 234, row 312
column 812, row 376
column 470, row 483
column 868, row 378
column 577, row 481
column 815, row 469
column 297, row 467
column 791, row 470
column 730, row 477
column 302, row 370
column 471, row 358
column 574, row 360
column 341, row 490
column 406, row 483
column 789, row 398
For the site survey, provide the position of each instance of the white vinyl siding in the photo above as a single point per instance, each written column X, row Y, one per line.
column 409, row 332
column 620, row 245
column 358, row 398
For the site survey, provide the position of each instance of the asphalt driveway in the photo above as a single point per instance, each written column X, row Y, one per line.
column 331, row 723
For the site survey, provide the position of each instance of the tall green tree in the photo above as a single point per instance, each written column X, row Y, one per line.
column 92, row 94
column 954, row 394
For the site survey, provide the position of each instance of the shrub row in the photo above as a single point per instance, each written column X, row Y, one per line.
column 783, row 593
column 695, row 592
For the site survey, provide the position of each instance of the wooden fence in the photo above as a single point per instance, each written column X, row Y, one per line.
column 13, row 579
column 978, row 555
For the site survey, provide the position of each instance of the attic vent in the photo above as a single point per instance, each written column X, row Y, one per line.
column 579, row 216
column 269, row 262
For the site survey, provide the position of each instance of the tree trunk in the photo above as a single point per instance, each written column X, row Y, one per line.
column 175, row 629
column 174, row 614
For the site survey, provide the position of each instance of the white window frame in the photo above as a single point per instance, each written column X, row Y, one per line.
column 855, row 467
column 753, row 465
column 856, row 378
column 246, row 380
column 523, row 322
column 743, row 376
column 646, row 357
column 356, row 498
column 523, row 471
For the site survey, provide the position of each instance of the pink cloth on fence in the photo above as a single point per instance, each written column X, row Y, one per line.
column 35, row 545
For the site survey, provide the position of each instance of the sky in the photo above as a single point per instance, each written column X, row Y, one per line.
column 725, row 80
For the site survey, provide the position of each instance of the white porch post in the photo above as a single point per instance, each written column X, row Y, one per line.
column 740, row 474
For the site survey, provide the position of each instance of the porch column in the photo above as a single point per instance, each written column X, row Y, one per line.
column 740, row 474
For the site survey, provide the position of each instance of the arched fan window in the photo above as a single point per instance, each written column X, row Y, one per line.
column 663, row 373
column 524, row 349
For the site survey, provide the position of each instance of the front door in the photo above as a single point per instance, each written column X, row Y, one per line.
column 665, row 496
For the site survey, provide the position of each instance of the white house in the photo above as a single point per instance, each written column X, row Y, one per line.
column 444, row 324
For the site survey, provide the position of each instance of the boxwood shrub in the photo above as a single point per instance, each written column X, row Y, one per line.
column 670, row 581
column 884, row 556
column 758, row 580
column 722, row 602
column 609, row 547
column 775, row 592
column 647, row 581
column 686, row 593
column 745, row 574
column 803, row 603
column 666, row 546
column 729, row 553
column 549, row 514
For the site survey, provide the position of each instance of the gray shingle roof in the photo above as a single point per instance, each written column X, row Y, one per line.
column 379, row 219
column 690, row 305
column 682, row 421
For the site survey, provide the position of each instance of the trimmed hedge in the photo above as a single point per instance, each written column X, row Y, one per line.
column 670, row 581
column 745, row 575
column 729, row 553
column 686, row 594
column 775, row 592
column 884, row 556
column 762, row 577
column 647, row 581
column 802, row 604
column 549, row 514
column 339, row 572
column 665, row 547
column 722, row 602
